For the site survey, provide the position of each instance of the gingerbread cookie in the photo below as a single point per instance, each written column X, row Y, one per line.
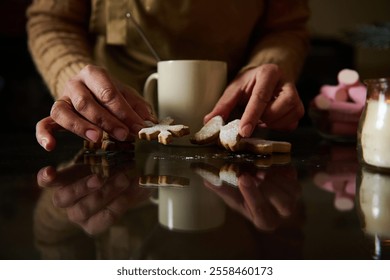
column 229, row 136
column 209, row 133
column 163, row 131
column 262, row 146
column 108, row 144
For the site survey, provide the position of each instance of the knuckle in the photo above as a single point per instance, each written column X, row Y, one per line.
column 268, row 69
column 55, row 111
column 107, row 95
column 80, row 104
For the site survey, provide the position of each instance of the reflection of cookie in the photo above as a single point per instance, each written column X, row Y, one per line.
column 229, row 174
column 208, row 172
column 229, row 136
column 209, row 132
column 163, row 131
column 163, row 181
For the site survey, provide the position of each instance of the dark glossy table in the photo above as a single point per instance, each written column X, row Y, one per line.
column 171, row 202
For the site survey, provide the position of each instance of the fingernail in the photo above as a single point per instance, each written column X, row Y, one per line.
column 120, row 134
column 246, row 131
column 92, row 135
column 44, row 142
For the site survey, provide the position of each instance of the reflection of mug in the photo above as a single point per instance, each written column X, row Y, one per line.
column 374, row 203
column 191, row 208
column 186, row 90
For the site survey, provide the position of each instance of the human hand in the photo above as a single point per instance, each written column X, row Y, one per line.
column 93, row 102
column 93, row 201
column 269, row 100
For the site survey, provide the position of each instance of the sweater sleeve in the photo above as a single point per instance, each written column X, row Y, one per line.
column 282, row 38
column 58, row 39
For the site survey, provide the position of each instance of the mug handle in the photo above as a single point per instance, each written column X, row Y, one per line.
column 149, row 92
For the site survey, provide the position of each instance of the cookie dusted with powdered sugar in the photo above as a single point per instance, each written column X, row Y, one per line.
column 209, row 133
column 229, row 136
column 164, row 131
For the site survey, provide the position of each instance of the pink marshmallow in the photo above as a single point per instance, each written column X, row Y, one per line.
column 344, row 202
column 358, row 94
column 350, row 188
column 348, row 77
column 336, row 93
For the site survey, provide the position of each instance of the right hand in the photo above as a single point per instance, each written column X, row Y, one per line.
column 93, row 102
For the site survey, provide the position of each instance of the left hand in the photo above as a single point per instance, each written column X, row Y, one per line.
column 270, row 100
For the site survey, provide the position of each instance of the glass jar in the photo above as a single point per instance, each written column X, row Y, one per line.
column 374, row 126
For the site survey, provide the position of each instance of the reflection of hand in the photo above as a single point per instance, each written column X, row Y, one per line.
column 267, row 98
column 92, row 102
column 264, row 196
column 90, row 201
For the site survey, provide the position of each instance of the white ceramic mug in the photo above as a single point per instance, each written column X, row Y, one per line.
column 186, row 90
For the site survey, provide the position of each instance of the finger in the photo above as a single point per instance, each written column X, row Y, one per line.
column 68, row 195
column 288, row 122
column 262, row 213
column 281, row 201
column 98, row 82
column 230, row 196
column 282, row 189
column 140, row 106
column 267, row 79
column 286, row 111
column 98, row 222
column 99, row 199
column 64, row 115
column 44, row 133
column 46, row 176
column 86, row 105
column 103, row 219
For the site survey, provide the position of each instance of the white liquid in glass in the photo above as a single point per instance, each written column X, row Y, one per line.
column 375, row 137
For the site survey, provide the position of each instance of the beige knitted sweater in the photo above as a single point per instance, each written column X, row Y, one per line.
column 65, row 35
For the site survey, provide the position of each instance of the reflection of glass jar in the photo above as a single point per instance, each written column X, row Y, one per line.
column 373, row 202
column 373, row 208
column 374, row 126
